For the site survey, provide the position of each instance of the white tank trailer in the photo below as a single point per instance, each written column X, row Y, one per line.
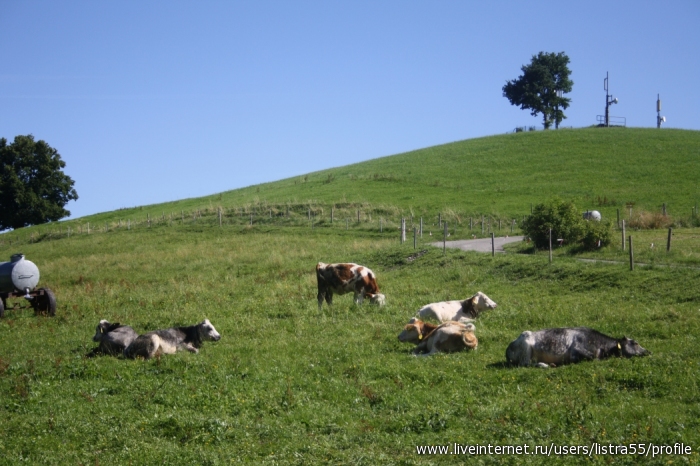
column 18, row 279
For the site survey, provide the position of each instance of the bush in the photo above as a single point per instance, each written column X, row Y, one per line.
column 563, row 218
column 596, row 234
column 567, row 223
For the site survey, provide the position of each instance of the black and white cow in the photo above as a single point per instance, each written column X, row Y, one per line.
column 113, row 338
column 556, row 346
column 171, row 340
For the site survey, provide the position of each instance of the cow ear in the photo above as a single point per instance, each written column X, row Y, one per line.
column 475, row 299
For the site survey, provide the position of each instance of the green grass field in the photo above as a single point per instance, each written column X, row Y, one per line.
column 287, row 384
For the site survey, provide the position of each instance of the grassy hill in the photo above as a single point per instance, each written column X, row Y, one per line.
column 601, row 168
column 289, row 384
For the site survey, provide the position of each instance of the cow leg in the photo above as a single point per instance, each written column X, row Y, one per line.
column 581, row 354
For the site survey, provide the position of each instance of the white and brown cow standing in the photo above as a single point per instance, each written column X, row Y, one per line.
column 345, row 278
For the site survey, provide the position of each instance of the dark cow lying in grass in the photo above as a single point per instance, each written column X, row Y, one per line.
column 449, row 337
column 113, row 338
column 556, row 346
column 169, row 341
column 345, row 278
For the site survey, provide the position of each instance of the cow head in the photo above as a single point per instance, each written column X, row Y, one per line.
column 377, row 298
column 476, row 304
column 412, row 332
column 630, row 348
column 208, row 332
column 104, row 327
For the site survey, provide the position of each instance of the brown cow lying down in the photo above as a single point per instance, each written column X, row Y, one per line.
column 345, row 278
column 415, row 331
column 460, row 311
column 556, row 346
column 449, row 337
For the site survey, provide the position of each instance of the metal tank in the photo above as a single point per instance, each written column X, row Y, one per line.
column 18, row 275
column 18, row 279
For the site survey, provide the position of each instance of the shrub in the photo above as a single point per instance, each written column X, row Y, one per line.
column 562, row 217
column 596, row 234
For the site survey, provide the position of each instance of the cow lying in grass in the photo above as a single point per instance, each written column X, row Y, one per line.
column 556, row 346
column 448, row 337
column 113, row 338
column 415, row 331
column 171, row 340
column 345, row 278
column 459, row 311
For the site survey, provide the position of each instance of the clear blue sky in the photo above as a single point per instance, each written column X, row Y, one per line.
column 152, row 101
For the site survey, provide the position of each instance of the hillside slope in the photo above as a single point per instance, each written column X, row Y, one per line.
column 602, row 168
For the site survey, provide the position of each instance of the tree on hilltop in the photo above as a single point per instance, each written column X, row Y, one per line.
column 33, row 187
column 542, row 86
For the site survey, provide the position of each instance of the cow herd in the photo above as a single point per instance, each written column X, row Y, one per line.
column 455, row 330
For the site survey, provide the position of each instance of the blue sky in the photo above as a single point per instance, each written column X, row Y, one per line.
column 152, row 101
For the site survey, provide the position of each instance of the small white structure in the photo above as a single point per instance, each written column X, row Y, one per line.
column 592, row 215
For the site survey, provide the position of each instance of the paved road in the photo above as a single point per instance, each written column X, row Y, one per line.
column 481, row 244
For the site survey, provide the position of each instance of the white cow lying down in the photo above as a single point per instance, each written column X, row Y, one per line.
column 459, row 311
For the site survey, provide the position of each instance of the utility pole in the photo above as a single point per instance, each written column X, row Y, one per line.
column 609, row 100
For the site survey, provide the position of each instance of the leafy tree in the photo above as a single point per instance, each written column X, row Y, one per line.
column 536, row 89
column 33, row 187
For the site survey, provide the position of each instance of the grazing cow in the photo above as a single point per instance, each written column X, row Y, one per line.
column 415, row 331
column 555, row 346
column 113, row 338
column 346, row 278
column 449, row 337
column 169, row 341
column 460, row 311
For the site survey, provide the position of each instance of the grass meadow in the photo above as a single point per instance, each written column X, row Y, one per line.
column 287, row 384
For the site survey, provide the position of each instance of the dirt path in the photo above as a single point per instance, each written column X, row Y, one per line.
column 481, row 244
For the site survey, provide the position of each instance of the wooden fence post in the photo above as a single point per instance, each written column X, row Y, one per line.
column 668, row 243
column 631, row 255
column 421, row 227
column 623, row 234
column 493, row 245
column 444, row 239
column 414, row 237
column 663, row 209
column 403, row 230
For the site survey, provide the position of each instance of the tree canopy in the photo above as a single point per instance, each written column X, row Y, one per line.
column 537, row 88
column 33, row 187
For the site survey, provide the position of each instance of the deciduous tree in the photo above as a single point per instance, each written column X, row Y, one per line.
column 33, row 187
column 542, row 86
